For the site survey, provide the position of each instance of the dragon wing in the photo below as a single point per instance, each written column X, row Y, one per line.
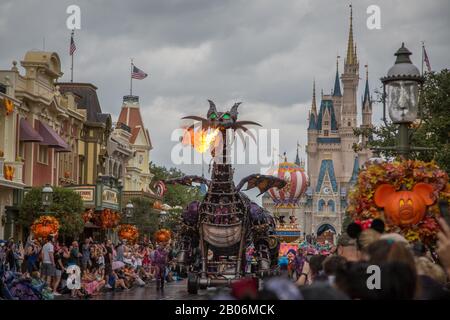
column 262, row 182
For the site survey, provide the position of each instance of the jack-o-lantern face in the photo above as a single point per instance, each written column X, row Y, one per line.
column 404, row 207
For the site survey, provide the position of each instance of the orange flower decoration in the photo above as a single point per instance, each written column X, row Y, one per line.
column 45, row 226
column 162, row 235
column 128, row 232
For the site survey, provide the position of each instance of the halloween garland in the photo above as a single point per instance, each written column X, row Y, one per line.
column 402, row 193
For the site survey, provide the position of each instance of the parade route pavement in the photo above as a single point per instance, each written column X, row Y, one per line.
column 176, row 290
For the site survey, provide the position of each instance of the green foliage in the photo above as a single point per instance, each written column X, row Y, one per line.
column 176, row 195
column 433, row 131
column 144, row 217
column 67, row 207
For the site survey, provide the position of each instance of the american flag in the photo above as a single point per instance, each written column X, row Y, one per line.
column 425, row 58
column 73, row 47
column 138, row 73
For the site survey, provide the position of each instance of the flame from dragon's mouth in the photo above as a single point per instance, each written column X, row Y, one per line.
column 201, row 139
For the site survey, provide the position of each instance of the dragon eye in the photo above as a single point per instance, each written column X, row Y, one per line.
column 226, row 116
column 402, row 202
column 213, row 116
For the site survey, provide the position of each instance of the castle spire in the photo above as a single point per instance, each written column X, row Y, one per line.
column 313, row 104
column 337, row 84
column 350, row 46
column 366, row 90
column 297, row 158
column 313, row 112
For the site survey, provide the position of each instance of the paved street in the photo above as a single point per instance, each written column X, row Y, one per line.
column 172, row 291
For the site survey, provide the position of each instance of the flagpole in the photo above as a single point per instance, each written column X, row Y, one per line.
column 131, row 78
column 71, row 66
column 423, row 48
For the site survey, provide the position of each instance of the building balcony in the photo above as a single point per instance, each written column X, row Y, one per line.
column 11, row 173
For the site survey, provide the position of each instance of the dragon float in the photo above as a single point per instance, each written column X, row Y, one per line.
column 216, row 231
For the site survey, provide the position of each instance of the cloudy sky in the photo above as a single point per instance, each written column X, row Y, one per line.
column 265, row 53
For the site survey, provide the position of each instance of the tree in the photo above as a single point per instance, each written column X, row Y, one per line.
column 67, row 207
column 176, row 195
column 145, row 217
column 433, row 128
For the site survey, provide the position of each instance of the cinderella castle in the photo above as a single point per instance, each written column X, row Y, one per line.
column 332, row 162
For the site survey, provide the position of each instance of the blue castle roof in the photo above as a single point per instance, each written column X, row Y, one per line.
column 337, row 86
column 326, row 105
column 327, row 166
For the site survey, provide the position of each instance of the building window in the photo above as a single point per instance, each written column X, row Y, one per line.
column 326, row 133
column 22, row 150
column 326, row 123
column 42, row 154
column 349, row 124
column 331, row 205
column 321, row 204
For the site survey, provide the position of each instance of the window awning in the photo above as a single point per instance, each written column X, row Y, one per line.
column 27, row 133
column 52, row 139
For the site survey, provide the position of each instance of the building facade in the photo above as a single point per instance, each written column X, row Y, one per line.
column 137, row 176
column 44, row 129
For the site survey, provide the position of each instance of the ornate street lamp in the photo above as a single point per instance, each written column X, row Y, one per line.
column 401, row 96
column 129, row 209
column 47, row 196
column 401, row 88
column 162, row 218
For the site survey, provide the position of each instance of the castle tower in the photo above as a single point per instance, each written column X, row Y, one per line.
column 311, row 147
column 365, row 154
column 350, row 79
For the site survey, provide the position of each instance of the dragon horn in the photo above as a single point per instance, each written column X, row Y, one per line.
column 212, row 108
column 234, row 110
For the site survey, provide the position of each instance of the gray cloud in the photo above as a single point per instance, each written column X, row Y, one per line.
column 265, row 53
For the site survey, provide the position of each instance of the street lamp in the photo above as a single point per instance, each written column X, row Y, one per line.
column 47, row 196
column 401, row 95
column 129, row 208
column 162, row 218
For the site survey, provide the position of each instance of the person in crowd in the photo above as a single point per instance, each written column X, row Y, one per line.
column 74, row 254
column 160, row 261
column 48, row 261
column 120, row 249
column 346, row 248
column 86, row 254
column 60, row 267
column 92, row 282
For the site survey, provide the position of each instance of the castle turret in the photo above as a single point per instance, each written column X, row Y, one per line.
column 367, row 103
column 337, row 95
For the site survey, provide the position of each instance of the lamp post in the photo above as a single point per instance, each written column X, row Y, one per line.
column 47, row 196
column 129, row 209
column 401, row 96
column 162, row 218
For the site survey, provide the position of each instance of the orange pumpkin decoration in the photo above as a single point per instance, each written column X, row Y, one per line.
column 128, row 232
column 8, row 172
column 9, row 106
column 162, row 235
column 404, row 207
